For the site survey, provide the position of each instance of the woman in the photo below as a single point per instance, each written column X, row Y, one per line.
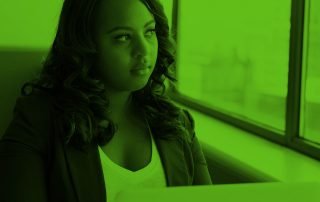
column 97, row 120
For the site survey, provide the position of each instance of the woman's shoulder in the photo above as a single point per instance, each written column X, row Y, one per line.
column 36, row 104
column 36, row 99
column 188, row 123
column 188, row 119
column 31, row 122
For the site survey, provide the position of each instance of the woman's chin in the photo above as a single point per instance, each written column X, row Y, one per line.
column 138, row 86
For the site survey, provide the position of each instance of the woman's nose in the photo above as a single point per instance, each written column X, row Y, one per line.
column 141, row 48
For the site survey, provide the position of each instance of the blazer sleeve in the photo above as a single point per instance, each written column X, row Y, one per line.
column 201, row 172
column 22, row 153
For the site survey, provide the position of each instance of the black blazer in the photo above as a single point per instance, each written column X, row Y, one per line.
column 35, row 165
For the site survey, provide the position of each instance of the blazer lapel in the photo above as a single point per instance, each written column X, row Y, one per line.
column 86, row 173
column 87, row 176
column 173, row 160
column 172, row 157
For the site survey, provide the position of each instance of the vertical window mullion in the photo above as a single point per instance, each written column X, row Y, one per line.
column 295, row 70
column 174, row 33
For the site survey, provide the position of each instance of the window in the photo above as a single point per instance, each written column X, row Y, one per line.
column 310, row 108
column 233, row 56
column 167, row 5
column 253, row 64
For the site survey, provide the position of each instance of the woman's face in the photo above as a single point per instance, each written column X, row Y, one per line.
column 126, row 39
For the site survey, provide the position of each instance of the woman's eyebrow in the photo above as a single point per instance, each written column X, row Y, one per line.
column 127, row 27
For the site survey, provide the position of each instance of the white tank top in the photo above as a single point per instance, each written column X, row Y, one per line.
column 118, row 178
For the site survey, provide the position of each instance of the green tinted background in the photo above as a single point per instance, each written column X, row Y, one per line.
column 32, row 24
column 310, row 108
column 28, row 24
column 234, row 56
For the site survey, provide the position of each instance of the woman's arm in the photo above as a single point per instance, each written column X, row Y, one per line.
column 22, row 154
column 201, row 172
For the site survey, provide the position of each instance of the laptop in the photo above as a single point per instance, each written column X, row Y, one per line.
column 248, row 192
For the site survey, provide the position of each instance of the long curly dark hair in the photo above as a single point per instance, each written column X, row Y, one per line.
column 67, row 74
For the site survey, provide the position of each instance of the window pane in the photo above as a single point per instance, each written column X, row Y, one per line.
column 310, row 111
column 234, row 55
column 167, row 4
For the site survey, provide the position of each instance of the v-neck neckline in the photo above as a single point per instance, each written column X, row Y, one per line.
column 120, row 168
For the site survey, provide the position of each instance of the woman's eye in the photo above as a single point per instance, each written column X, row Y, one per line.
column 123, row 37
column 151, row 32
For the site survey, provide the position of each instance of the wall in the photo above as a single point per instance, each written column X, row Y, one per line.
column 28, row 24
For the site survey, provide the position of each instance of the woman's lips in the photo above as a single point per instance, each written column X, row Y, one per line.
column 140, row 67
column 140, row 71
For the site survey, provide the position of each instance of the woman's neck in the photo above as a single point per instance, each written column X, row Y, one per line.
column 119, row 106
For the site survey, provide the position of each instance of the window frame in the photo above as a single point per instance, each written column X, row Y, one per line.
column 291, row 138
